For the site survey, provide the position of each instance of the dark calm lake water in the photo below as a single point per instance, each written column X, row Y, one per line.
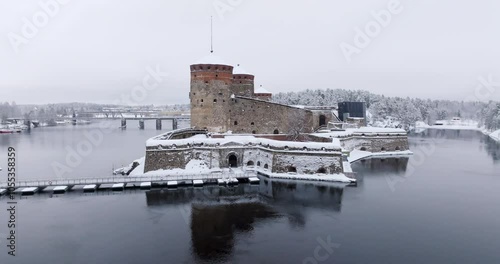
column 441, row 205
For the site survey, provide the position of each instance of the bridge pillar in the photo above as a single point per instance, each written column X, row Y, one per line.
column 124, row 123
column 158, row 124
column 174, row 124
column 28, row 123
column 141, row 124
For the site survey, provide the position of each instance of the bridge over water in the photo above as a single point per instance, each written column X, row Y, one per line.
column 140, row 116
column 119, row 183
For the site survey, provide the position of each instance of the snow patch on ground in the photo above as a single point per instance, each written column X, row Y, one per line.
column 195, row 164
column 140, row 168
column 126, row 169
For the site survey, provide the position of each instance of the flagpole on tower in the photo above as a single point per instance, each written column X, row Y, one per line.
column 211, row 34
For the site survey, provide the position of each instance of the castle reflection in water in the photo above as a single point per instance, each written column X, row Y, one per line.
column 217, row 215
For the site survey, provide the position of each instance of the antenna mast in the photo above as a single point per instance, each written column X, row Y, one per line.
column 211, row 34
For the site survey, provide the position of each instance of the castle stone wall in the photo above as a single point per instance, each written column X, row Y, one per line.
column 166, row 160
column 375, row 143
column 327, row 117
column 302, row 163
column 250, row 115
column 276, row 161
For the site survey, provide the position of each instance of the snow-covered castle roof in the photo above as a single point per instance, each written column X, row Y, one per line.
column 245, row 140
column 261, row 90
column 212, row 59
column 239, row 70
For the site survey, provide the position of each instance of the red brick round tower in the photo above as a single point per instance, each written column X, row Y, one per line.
column 211, row 82
column 243, row 82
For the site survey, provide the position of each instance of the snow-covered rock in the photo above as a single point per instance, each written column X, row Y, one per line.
column 495, row 135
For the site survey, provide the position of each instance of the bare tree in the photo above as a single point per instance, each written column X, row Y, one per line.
column 298, row 123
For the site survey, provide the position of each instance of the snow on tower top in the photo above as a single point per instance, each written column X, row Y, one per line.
column 212, row 60
column 261, row 90
column 239, row 70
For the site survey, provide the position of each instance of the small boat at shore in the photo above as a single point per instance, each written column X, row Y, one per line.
column 9, row 130
column 63, row 122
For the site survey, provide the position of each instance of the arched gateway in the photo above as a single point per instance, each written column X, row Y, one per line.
column 233, row 161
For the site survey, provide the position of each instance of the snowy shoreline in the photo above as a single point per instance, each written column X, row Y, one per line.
column 495, row 135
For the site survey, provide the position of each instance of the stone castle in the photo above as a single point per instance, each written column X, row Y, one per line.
column 223, row 98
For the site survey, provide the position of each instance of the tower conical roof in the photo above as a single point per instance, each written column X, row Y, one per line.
column 261, row 90
column 239, row 70
column 211, row 59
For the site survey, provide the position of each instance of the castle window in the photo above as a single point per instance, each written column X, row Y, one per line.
column 195, row 75
column 221, row 94
column 223, row 101
column 322, row 120
column 250, row 163
column 258, row 163
column 292, row 169
column 215, row 100
column 276, row 132
column 254, row 132
column 216, row 75
column 202, row 100
column 235, row 123
column 206, row 82
column 252, row 123
column 194, row 93
column 266, row 166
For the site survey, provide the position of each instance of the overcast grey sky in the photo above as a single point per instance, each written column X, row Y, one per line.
column 94, row 51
